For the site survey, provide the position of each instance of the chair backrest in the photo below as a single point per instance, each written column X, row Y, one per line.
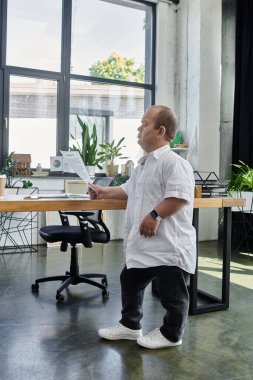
column 96, row 219
column 96, row 223
column 98, row 231
column 103, row 181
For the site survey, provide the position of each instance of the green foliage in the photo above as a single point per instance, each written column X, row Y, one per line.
column 111, row 150
column 8, row 169
column 88, row 149
column 118, row 67
column 119, row 179
column 241, row 179
column 27, row 184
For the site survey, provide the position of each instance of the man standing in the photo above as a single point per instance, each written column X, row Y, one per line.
column 160, row 240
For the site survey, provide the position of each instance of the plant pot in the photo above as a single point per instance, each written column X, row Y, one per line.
column 111, row 170
column 248, row 195
column 2, row 184
column 91, row 170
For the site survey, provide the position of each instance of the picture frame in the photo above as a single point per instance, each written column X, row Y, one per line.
column 56, row 164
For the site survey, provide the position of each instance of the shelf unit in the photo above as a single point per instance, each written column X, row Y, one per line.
column 211, row 184
column 180, row 149
column 182, row 152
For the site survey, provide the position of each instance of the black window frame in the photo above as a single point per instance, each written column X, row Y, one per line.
column 63, row 77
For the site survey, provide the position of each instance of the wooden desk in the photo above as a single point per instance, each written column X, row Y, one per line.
column 14, row 203
column 18, row 203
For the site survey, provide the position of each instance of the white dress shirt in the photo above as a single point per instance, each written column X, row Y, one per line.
column 159, row 175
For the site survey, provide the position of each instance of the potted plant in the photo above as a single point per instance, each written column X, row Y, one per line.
column 7, row 169
column 110, row 151
column 119, row 179
column 241, row 183
column 10, row 171
column 88, row 147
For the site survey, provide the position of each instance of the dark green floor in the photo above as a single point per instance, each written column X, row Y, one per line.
column 43, row 340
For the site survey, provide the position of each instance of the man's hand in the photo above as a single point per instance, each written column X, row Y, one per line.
column 100, row 192
column 95, row 191
column 149, row 226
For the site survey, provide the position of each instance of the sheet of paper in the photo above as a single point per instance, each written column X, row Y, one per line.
column 55, row 196
column 74, row 160
column 39, row 196
column 78, row 196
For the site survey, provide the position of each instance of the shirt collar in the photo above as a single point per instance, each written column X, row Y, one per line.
column 156, row 154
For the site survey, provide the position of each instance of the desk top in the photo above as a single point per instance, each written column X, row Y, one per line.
column 18, row 203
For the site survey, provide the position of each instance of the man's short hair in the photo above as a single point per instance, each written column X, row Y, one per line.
column 168, row 119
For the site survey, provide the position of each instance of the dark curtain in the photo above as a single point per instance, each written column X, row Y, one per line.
column 243, row 104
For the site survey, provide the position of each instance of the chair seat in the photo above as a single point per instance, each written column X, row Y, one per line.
column 70, row 234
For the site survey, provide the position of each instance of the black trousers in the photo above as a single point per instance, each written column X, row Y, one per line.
column 173, row 293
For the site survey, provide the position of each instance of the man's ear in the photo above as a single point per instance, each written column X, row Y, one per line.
column 162, row 130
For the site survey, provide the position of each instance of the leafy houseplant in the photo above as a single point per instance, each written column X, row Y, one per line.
column 8, row 169
column 241, row 179
column 110, row 151
column 88, row 147
column 119, row 179
column 241, row 183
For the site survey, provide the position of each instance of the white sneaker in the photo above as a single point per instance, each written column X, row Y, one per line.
column 118, row 331
column 155, row 339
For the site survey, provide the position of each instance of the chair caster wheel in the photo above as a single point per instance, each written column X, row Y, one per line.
column 105, row 294
column 60, row 297
column 35, row 288
column 104, row 282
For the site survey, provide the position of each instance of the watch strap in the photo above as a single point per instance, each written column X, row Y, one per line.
column 155, row 215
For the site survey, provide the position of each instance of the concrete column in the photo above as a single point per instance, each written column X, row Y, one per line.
column 210, row 86
column 227, row 86
column 189, row 80
column 198, row 80
column 166, row 54
column 197, row 90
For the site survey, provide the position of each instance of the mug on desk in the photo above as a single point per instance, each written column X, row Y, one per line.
column 2, row 184
column 198, row 191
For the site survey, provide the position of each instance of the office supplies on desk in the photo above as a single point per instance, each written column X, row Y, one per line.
column 61, row 195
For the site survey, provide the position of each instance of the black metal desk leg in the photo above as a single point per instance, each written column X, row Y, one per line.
column 193, row 288
column 226, row 256
column 213, row 303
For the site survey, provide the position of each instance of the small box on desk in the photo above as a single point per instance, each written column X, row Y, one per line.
column 23, row 164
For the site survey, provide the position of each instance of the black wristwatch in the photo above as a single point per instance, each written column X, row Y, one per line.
column 155, row 215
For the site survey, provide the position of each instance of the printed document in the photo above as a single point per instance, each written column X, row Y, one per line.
column 58, row 195
column 74, row 160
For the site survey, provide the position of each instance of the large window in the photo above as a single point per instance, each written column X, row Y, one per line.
column 64, row 58
column 32, row 117
column 108, row 33
column 34, row 34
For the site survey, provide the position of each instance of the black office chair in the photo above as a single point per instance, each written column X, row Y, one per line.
column 91, row 228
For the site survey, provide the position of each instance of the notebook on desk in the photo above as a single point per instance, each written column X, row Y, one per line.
column 57, row 196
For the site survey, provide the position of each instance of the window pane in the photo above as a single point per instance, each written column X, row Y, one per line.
column 32, row 118
column 116, row 111
column 34, row 34
column 101, row 30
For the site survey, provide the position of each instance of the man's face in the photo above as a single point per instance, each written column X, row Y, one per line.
column 149, row 138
